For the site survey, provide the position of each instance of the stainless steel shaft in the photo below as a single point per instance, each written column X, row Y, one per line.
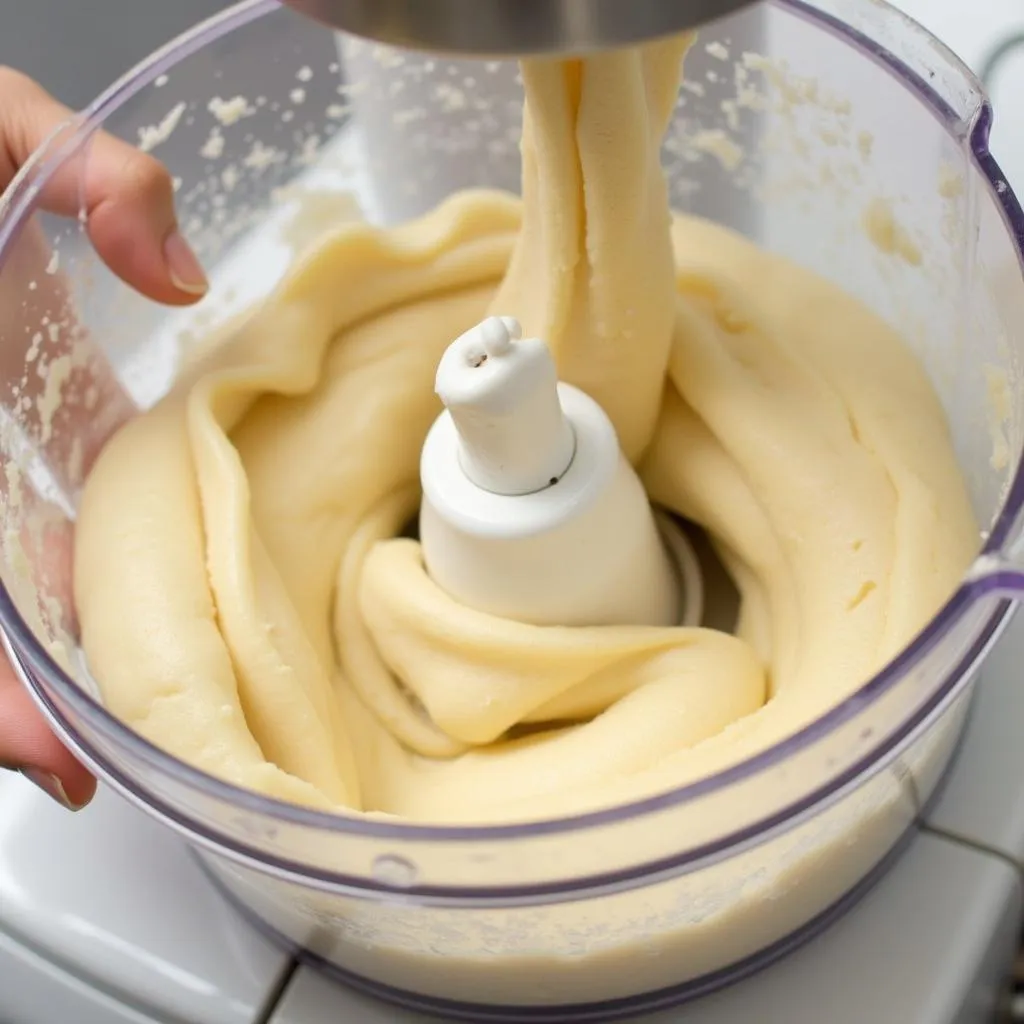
column 514, row 27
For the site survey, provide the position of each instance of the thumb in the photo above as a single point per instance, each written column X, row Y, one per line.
column 27, row 744
column 130, row 217
column 125, row 195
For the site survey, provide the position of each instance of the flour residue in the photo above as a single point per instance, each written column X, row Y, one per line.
column 230, row 111
column 887, row 234
column 766, row 110
column 1000, row 412
column 951, row 181
column 717, row 143
column 58, row 373
column 313, row 208
column 152, row 136
column 213, row 148
column 261, row 156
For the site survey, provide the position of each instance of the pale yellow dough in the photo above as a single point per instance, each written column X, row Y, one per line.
column 245, row 606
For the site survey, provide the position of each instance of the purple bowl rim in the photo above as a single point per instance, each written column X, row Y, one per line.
column 43, row 165
column 579, row 887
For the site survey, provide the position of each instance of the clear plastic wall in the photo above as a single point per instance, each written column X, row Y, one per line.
column 836, row 133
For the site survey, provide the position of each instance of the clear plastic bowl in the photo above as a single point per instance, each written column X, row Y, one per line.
column 837, row 132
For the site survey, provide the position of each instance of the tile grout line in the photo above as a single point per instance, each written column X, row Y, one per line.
column 273, row 998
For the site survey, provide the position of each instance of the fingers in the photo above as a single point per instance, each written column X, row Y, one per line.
column 26, row 742
column 27, row 745
column 128, row 201
column 127, row 195
column 131, row 221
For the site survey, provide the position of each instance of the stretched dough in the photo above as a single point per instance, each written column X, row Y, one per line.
column 246, row 603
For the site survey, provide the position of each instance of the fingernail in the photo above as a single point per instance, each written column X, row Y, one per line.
column 51, row 786
column 186, row 272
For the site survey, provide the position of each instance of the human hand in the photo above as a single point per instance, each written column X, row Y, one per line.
column 128, row 199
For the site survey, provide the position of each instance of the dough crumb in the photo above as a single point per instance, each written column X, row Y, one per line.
column 951, row 182
column 1000, row 407
column 213, row 148
column 151, row 136
column 887, row 234
column 231, row 111
column 716, row 143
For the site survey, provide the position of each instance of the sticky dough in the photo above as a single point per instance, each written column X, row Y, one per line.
column 247, row 604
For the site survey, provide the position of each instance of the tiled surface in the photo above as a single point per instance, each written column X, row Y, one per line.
column 118, row 900
column 916, row 951
column 36, row 991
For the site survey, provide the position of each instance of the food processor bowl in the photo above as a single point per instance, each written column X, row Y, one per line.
column 836, row 132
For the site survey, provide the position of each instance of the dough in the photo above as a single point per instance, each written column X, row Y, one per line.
column 246, row 602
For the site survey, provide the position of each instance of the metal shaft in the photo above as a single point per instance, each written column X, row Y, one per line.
column 504, row 28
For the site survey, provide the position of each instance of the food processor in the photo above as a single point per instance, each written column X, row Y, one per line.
column 835, row 132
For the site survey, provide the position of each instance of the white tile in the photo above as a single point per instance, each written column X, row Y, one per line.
column 119, row 899
column 36, row 991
